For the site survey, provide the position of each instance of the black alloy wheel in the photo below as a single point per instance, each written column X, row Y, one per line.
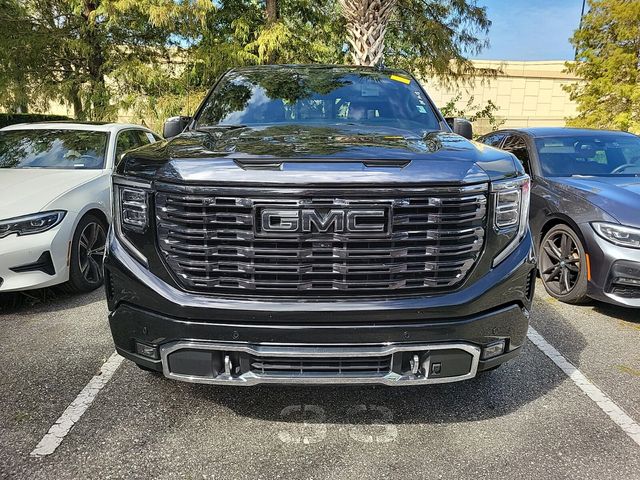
column 87, row 251
column 562, row 265
column 91, row 251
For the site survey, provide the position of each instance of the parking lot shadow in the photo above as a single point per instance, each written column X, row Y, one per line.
column 621, row 313
column 51, row 299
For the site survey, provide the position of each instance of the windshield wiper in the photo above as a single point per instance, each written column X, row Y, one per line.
column 225, row 127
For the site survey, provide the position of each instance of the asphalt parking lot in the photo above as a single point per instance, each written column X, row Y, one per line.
column 527, row 419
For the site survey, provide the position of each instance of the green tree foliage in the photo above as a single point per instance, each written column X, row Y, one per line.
column 238, row 32
column 20, row 48
column 473, row 112
column 15, row 118
column 435, row 37
column 427, row 37
column 157, row 58
column 80, row 51
column 608, row 59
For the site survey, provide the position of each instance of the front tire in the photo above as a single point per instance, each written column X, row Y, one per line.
column 87, row 250
column 562, row 263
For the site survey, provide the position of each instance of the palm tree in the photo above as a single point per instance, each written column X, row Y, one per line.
column 271, row 11
column 366, row 25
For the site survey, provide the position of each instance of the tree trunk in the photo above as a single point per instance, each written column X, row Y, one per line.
column 74, row 96
column 20, row 94
column 367, row 22
column 271, row 11
column 22, row 107
column 95, row 62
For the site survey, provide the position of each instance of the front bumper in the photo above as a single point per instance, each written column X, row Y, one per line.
column 242, row 364
column 146, row 311
column 606, row 261
column 19, row 257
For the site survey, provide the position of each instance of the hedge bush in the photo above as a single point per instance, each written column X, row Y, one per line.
column 13, row 118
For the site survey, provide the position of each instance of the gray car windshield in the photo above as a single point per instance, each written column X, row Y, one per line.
column 55, row 148
column 326, row 97
column 589, row 155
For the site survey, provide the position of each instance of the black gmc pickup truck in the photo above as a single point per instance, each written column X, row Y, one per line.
column 319, row 224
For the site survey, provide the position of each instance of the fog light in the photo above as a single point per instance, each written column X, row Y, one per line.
column 147, row 351
column 626, row 271
column 493, row 350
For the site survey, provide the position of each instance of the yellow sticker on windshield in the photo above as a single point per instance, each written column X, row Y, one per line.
column 398, row 78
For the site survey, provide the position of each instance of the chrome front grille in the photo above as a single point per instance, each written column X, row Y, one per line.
column 323, row 366
column 210, row 239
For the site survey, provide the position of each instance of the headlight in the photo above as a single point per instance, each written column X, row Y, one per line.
column 618, row 234
column 131, row 214
column 133, row 208
column 30, row 224
column 511, row 211
column 507, row 208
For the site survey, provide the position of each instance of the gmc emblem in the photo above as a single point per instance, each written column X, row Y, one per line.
column 357, row 221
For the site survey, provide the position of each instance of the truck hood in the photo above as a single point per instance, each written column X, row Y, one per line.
column 619, row 196
column 312, row 154
column 30, row 190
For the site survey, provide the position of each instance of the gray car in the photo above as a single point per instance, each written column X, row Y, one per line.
column 585, row 209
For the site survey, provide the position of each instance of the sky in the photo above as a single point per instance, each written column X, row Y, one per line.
column 531, row 29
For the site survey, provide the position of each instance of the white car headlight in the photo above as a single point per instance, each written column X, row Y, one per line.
column 511, row 211
column 31, row 224
column 618, row 234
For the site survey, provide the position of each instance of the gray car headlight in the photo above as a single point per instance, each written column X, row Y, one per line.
column 31, row 224
column 511, row 211
column 618, row 234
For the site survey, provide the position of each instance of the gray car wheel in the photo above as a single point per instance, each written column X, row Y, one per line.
column 562, row 265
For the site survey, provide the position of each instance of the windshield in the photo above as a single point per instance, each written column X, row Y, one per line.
column 319, row 96
column 72, row 149
column 589, row 155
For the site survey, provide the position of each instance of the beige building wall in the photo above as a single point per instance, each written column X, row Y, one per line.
column 527, row 94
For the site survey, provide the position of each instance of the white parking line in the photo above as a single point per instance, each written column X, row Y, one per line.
column 615, row 413
column 73, row 412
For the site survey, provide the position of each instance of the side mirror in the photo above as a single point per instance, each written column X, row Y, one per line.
column 175, row 126
column 461, row 126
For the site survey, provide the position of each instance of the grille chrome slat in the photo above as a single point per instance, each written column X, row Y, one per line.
column 305, row 271
column 190, row 217
column 224, row 235
column 335, row 253
column 208, row 238
column 336, row 268
column 333, row 366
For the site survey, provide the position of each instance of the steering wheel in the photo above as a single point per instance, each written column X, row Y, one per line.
column 624, row 167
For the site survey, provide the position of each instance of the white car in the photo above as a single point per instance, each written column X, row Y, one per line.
column 55, row 204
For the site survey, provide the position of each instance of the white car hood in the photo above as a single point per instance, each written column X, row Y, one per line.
column 29, row 190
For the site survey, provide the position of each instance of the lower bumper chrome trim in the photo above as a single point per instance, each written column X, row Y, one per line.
column 233, row 374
